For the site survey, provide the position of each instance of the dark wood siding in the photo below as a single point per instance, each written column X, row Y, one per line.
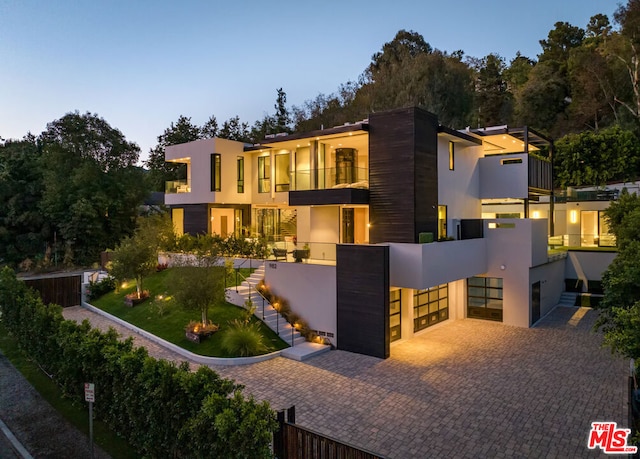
column 403, row 175
column 426, row 174
column 540, row 174
column 362, row 281
column 196, row 219
column 61, row 290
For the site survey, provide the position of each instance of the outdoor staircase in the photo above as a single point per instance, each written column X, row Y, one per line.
column 265, row 312
column 568, row 299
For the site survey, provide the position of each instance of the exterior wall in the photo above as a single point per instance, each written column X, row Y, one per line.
column 403, row 175
column 310, row 290
column 303, row 226
column 551, row 278
column 199, row 169
column 362, row 284
column 499, row 180
column 426, row 265
column 459, row 189
column 509, row 256
column 325, row 224
column 592, row 264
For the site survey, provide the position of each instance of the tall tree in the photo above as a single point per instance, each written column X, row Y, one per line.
column 181, row 131
column 23, row 229
column 282, row 117
column 234, row 129
column 92, row 187
column 493, row 101
column 593, row 158
column 625, row 47
column 209, row 129
column 619, row 316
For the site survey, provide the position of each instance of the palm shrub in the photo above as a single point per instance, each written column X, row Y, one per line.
column 243, row 338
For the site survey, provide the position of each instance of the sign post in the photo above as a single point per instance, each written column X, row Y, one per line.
column 90, row 396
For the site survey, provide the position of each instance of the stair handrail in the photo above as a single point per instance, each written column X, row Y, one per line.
column 254, row 288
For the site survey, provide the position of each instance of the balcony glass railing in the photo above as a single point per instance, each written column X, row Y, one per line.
column 582, row 240
column 323, row 253
column 330, row 178
column 590, row 195
column 177, row 186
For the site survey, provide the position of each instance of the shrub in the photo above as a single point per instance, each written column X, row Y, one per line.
column 102, row 287
column 243, row 339
column 163, row 410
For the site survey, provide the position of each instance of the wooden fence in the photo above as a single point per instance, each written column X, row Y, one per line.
column 294, row 442
column 63, row 290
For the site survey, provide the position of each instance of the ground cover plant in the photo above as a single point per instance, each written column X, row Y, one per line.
column 162, row 317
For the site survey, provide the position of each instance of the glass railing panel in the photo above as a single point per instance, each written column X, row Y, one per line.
column 177, row 186
column 582, row 240
column 331, row 178
column 303, row 252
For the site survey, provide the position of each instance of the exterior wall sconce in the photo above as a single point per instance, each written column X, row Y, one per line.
column 573, row 216
column 503, row 267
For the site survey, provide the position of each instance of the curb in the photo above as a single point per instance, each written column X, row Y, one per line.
column 15, row 443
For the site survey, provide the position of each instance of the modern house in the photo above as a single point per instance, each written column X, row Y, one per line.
column 360, row 204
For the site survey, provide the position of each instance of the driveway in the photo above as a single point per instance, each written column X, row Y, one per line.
column 464, row 389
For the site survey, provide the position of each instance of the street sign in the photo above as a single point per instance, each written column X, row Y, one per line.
column 89, row 392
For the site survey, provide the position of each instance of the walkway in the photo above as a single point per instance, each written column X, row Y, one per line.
column 466, row 389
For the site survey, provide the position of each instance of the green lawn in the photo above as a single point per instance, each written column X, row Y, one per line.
column 168, row 322
column 76, row 414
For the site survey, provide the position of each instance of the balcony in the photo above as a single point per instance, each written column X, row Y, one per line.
column 425, row 265
column 177, row 186
column 333, row 185
column 317, row 253
column 331, row 178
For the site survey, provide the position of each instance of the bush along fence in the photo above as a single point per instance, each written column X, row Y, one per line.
column 163, row 410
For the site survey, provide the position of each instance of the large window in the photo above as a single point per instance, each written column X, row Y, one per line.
column 430, row 306
column 240, row 174
column 283, row 176
column 395, row 323
column 216, row 173
column 484, row 298
column 264, row 174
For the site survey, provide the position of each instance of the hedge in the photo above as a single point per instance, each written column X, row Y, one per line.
column 163, row 410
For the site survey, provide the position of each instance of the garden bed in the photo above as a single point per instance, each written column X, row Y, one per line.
column 168, row 322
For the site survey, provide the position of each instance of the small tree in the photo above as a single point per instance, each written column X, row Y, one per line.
column 135, row 258
column 198, row 283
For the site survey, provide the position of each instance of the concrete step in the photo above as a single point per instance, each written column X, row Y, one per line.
column 304, row 351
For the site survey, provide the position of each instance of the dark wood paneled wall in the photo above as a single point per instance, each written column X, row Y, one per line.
column 403, row 175
column 63, row 291
column 362, row 281
column 196, row 218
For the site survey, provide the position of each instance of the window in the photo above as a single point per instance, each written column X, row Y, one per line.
column 451, row 156
column 484, row 298
column 395, row 301
column 442, row 222
column 264, row 174
column 216, row 173
column 240, row 174
column 283, row 177
column 511, row 161
column 430, row 306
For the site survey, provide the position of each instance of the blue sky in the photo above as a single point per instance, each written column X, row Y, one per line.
column 141, row 63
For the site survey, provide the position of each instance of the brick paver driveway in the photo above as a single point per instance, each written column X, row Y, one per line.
column 468, row 388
